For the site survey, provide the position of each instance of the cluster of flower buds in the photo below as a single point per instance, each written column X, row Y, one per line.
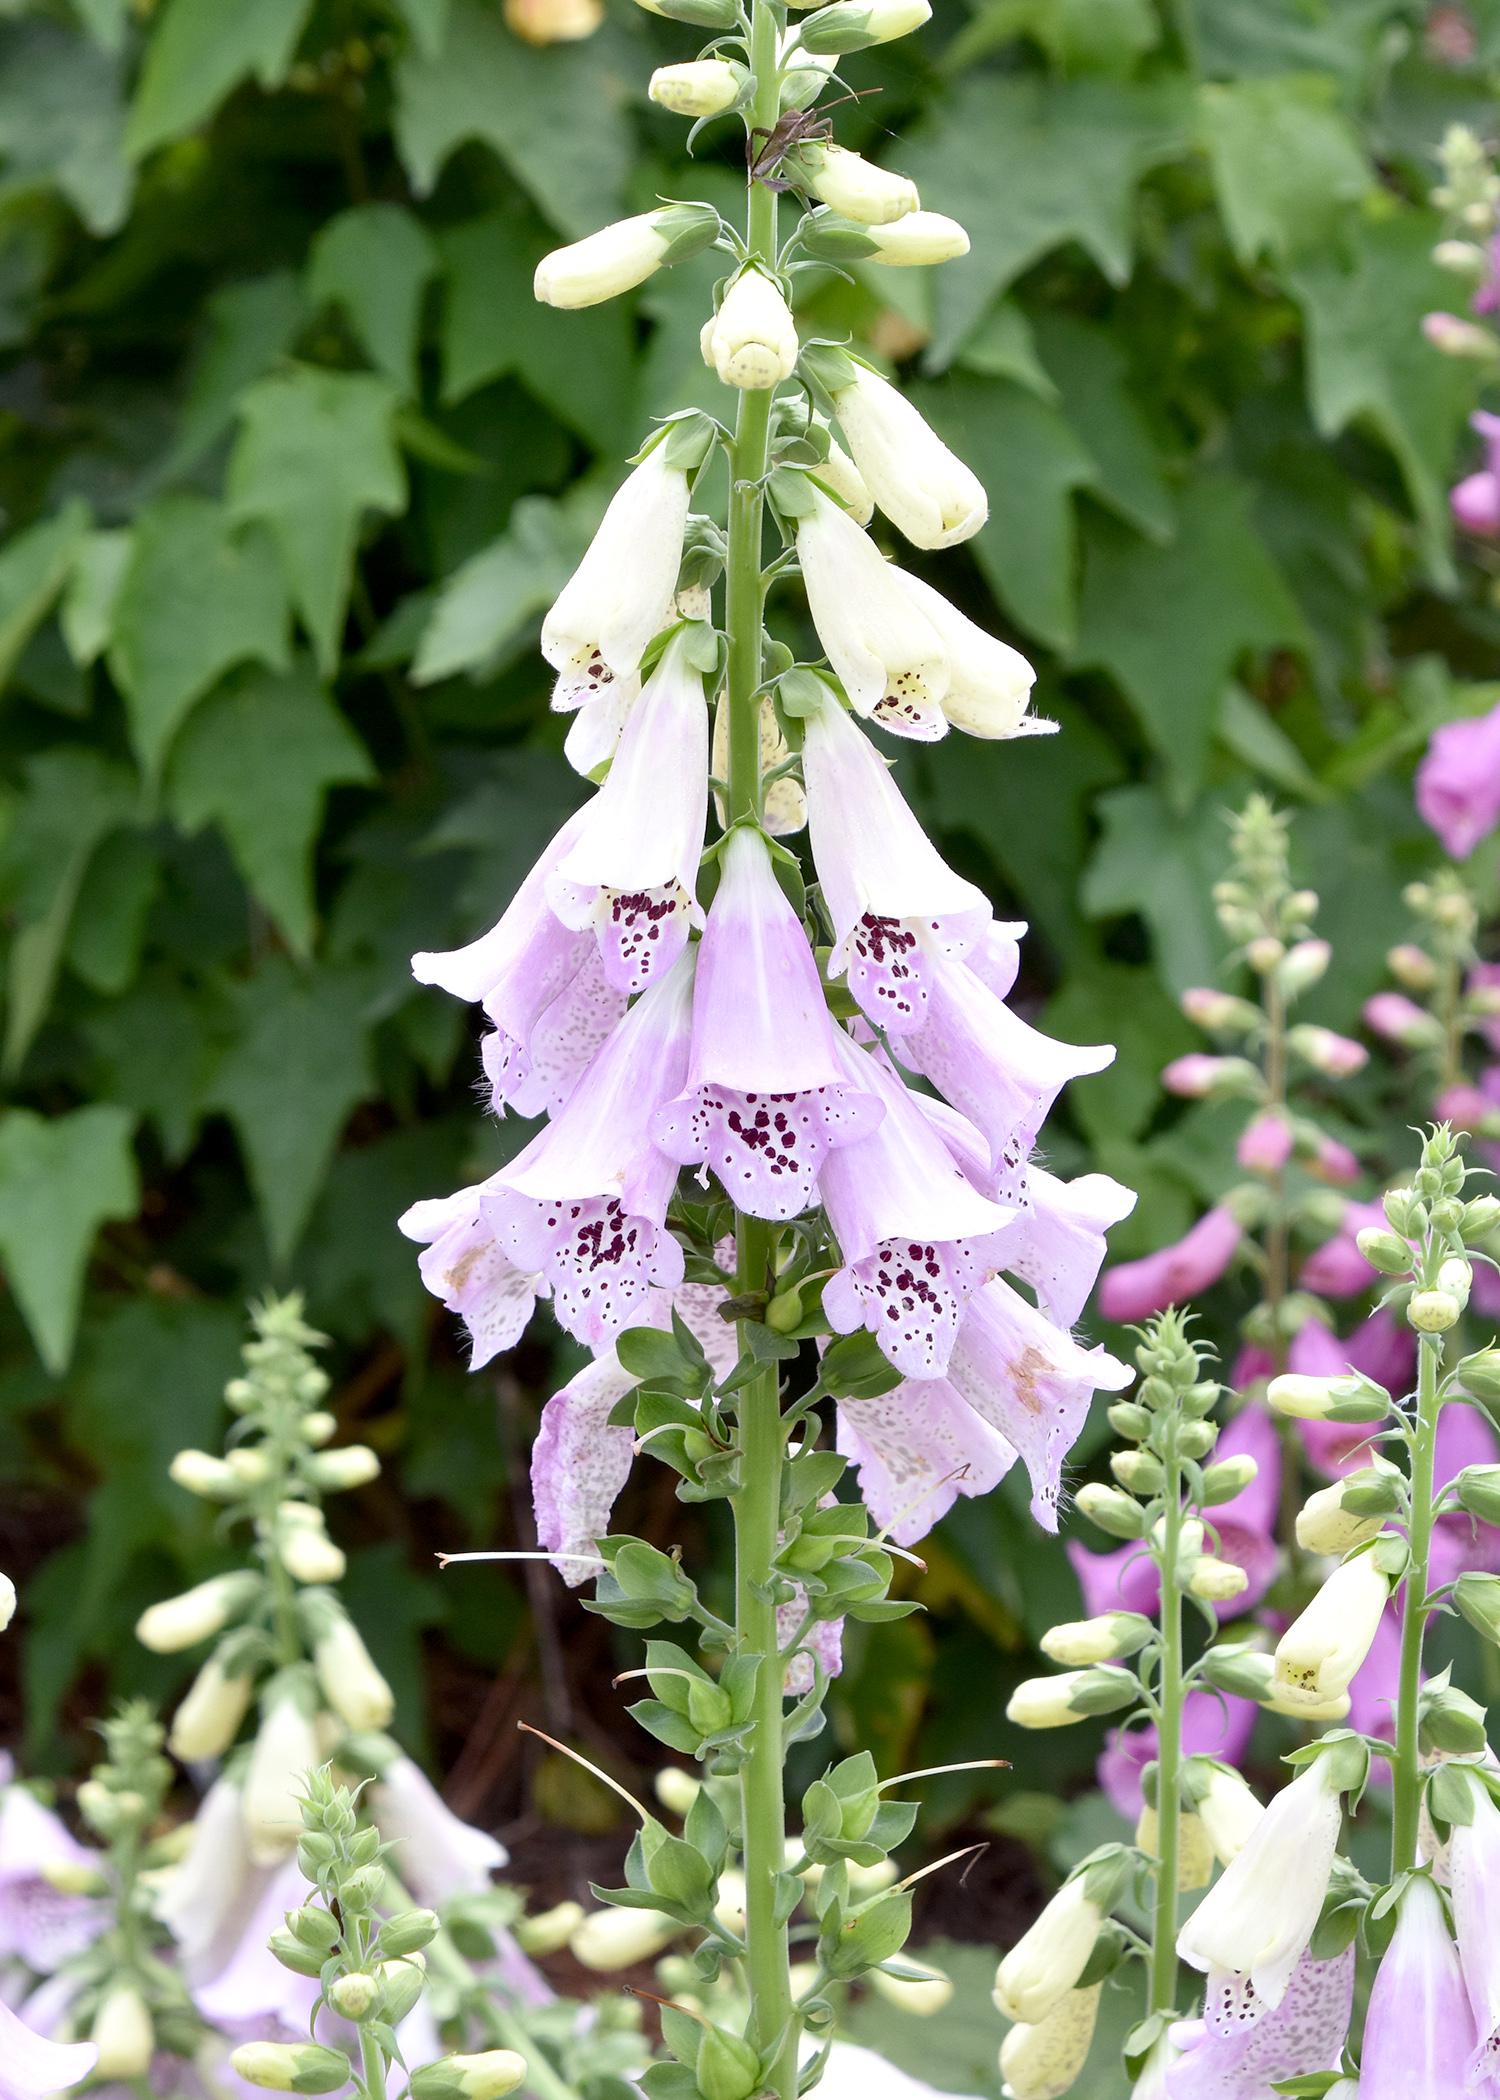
column 1448, row 1002
column 370, row 1968
column 284, row 1644
column 1262, row 1057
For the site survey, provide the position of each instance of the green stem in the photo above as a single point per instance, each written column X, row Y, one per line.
column 1169, row 1743
column 1407, row 1788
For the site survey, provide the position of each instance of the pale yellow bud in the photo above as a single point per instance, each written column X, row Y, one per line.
column 618, row 1939
column 209, row 1718
column 752, row 341
column 918, row 239
column 203, row 1474
column 1045, row 2060
column 705, row 87
column 553, row 21
column 352, row 1685
column 123, row 2034
column 921, row 1995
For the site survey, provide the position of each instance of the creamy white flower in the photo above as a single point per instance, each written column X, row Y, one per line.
column 201, row 1473
column 1325, row 1526
column 1255, row 1923
column 618, row 1939
column 704, row 87
column 352, row 1685
column 286, row 1750
column 751, row 342
column 923, row 488
column 208, row 1720
column 197, row 1615
column 1317, row 1656
column 621, row 593
column 553, row 21
column 885, row 650
column 1110, row 1635
column 307, row 1552
column 7, row 1601
column 842, row 478
column 921, row 237
column 1047, row 1702
column 623, row 255
column 1215, row 1580
column 200, row 1900
column 1195, row 1856
column 1044, row 2061
column 123, row 2034
column 1047, row 1961
column 856, row 187
column 438, row 1855
column 989, row 683
column 920, row 1995
column 854, row 25
column 1229, row 1812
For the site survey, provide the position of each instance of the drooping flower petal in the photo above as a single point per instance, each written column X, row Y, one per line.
column 989, row 683
column 438, row 1855
column 918, row 1449
column 579, row 1465
column 885, row 651
column 1137, row 1289
column 766, row 1098
column 620, row 595
column 922, row 487
column 1474, row 1868
column 1303, row 2035
column 466, row 1267
column 1057, row 1243
column 32, row 2067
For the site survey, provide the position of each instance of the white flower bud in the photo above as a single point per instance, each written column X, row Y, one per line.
column 920, row 238
column 197, row 1615
column 123, row 2034
column 351, row 1466
column 1216, row 1581
column 923, row 488
column 1042, row 2061
column 1228, row 1811
column 921, row 1995
column 855, row 187
column 319, row 1427
column 1048, row 1959
column 208, row 1720
column 203, row 1474
column 705, row 87
column 1317, row 1656
column 249, row 1465
column 677, row 1790
column 487, row 2076
column 621, row 256
column 553, row 21
column 855, row 25
column 309, row 1555
column 1305, row 1399
column 1433, row 1312
column 618, row 1939
column 7, row 1601
column 1047, row 1702
column 352, row 1685
column 286, row 1750
column 1104, row 1639
column 548, row 1930
column 291, row 2067
column 751, row 342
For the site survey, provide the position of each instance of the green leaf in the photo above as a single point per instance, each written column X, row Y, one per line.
column 497, row 593
column 1170, row 623
column 1095, row 36
column 427, row 21
column 1106, row 411
column 297, row 1067
column 1003, row 346
column 87, row 613
column 34, row 567
column 1286, row 163
column 1370, row 365
column 250, row 327
column 376, row 262
column 1163, row 864
column 108, row 929
column 316, row 450
column 1065, row 156
column 199, row 51
column 556, row 117
column 1340, row 37
column 258, row 759
column 62, row 122
column 105, row 20
column 61, row 1178
column 197, row 598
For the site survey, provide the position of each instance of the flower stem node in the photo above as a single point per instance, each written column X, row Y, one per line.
column 1073, row 1695
column 621, row 256
column 488, row 2076
column 291, row 2067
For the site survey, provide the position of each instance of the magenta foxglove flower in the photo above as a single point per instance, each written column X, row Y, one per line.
column 620, row 596
column 541, row 985
column 585, row 1204
column 464, row 1265
column 1397, row 1019
column 630, row 874
column 38, row 1925
column 1331, row 1161
column 1195, row 1076
column 915, row 1235
column 893, row 901
column 1032, row 1382
column 438, row 1855
column 1476, row 499
column 1474, row 1866
column 32, row 2068
column 1303, row 2035
column 766, row 1098
column 1337, row 1269
column 1458, row 782
column 1134, row 1290
column 1419, row 2030
column 1211, row 1727
column 1265, row 1144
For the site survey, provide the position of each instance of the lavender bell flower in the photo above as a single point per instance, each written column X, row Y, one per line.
column 465, row 1266
column 893, row 901
column 38, row 1925
column 204, row 1900
column 1475, row 500
column 251, row 1997
column 1134, row 1290
column 1303, row 2035
column 1458, row 783
column 540, row 984
column 918, row 1449
column 766, row 1097
column 1474, row 1868
column 585, row 1204
column 914, row 1234
column 1057, row 1242
column 631, row 872
column 1419, row 2030
column 437, row 1854
column 32, row 2068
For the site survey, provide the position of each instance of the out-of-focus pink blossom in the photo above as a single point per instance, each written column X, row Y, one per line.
column 1211, row 1727
column 1194, row 1077
column 1385, row 1349
column 1465, row 1106
column 1458, row 782
column 1331, row 1161
column 1399, row 1020
column 1265, row 1143
column 1476, row 499
column 1335, row 1056
column 1337, row 1269
column 1134, row 1290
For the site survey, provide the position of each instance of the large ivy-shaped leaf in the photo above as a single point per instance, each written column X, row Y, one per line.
column 316, row 450
column 61, row 1178
column 199, row 52
column 376, row 262
column 258, row 759
column 33, row 570
column 1287, row 164
column 62, row 121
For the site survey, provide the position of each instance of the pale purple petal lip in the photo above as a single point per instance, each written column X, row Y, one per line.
column 917, row 1450
column 1304, row 2034
column 32, row 2067
column 1419, row 2030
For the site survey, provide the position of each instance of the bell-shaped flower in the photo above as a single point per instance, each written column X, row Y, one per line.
column 585, row 1204
column 918, row 239
column 887, row 653
column 918, row 1449
column 1046, row 2060
column 1134, row 1290
column 924, row 489
column 464, row 1265
column 1031, row 1381
column 620, row 595
column 766, row 1097
column 989, row 683
column 989, row 1064
column 623, row 255
column 285, row 1751
column 39, row 1924
column 894, row 903
column 33, row 2068
column 915, row 1236
column 203, row 1899
column 1458, row 782
column 1304, row 2035
column 251, row 1991
column 438, row 1855
column 751, row 342
column 1253, row 1927
column 542, row 985
column 1317, row 1656
column 1050, row 1956
column 630, row 874
column 1474, row 1869
column 1419, row 2029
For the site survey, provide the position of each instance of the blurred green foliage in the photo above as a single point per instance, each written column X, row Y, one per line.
column 290, row 465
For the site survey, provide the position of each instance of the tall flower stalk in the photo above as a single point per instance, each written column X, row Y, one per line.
column 837, row 1064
